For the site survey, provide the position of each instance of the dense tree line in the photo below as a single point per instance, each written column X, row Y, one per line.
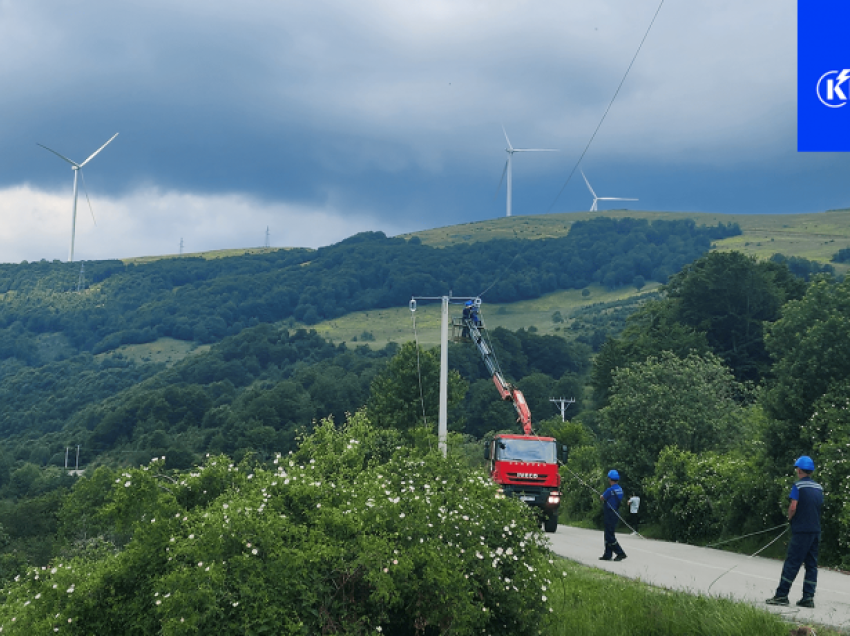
column 206, row 300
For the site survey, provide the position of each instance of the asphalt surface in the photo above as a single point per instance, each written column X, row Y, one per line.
column 696, row 570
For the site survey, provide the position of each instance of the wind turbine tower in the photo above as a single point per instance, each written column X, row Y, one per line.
column 508, row 165
column 78, row 169
column 593, row 208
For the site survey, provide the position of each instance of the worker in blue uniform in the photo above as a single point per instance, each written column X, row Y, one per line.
column 610, row 504
column 804, row 514
column 467, row 315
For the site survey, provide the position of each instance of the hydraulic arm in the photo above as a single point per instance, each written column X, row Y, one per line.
column 508, row 391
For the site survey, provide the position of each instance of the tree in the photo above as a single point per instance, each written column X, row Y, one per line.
column 729, row 296
column 691, row 403
column 406, row 394
column 649, row 331
column 810, row 344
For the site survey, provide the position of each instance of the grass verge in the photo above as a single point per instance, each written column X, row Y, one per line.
column 592, row 602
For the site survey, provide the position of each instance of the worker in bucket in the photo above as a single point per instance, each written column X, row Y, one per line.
column 467, row 315
column 804, row 515
column 610, row 504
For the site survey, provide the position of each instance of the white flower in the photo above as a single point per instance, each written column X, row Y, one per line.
column 127, row 484
column 254, row 551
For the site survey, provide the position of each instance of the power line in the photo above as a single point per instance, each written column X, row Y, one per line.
column 611, row 103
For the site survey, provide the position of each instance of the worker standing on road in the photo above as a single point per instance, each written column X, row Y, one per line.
column 610, row 504
column 634, row 509
column 804, row 514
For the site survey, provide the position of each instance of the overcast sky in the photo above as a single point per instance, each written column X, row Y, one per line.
column 324, row 118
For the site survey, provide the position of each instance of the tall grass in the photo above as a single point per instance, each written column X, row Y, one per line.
column 587, row 602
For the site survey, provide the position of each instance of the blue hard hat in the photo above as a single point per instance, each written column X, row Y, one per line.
column 613, row 474
column 805, row 463
column 469, row 303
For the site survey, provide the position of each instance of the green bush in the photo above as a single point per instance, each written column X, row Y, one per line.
column 829, row 433
column 578, row 500
column 353, row 534
column 699, row 497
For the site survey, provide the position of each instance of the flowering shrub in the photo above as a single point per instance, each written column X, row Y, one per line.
column 828, row 432
column 351, row 535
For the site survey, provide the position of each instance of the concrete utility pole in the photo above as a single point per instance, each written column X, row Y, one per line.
column 563, row 403
column 442, row 423
column 268, row 244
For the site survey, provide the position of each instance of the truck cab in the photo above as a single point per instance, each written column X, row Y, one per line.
column 526, row 466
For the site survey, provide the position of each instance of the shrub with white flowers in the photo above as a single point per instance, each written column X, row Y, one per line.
column 353, row 534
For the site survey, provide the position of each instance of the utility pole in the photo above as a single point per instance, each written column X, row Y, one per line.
column 442, row 424
column 66, row 458
column 77, row 466
column 181, row 246
column 563, row 403
column 267, row 245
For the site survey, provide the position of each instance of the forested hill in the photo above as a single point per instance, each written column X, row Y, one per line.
column 206, row 300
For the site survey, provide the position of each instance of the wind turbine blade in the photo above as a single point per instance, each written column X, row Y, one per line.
column 615, row 199
column 536, row 150
column 510, row 147
column 98, row 150
column 499, row 187
column 73, row 163
column 588, row 185
column 86, row 191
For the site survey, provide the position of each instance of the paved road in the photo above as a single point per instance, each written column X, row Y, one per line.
column 695, row 570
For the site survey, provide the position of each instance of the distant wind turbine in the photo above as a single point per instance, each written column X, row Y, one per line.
column 593, row 207
column 511, row 150
column 78, row 169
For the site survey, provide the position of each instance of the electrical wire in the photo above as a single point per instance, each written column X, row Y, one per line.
column 787, row 526
column 744, row 536
column 611, row 103
column 419, row 370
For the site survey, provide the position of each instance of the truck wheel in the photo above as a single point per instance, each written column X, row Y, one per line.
column 551, row 522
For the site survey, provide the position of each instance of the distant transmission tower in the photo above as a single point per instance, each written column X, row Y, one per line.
column 81, row 281
column 563, row 403
column 267, row 237
column 181, row 246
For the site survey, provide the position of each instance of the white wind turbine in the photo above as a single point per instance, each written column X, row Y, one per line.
column 511, row 150
column 78, row 169
column 593, row 207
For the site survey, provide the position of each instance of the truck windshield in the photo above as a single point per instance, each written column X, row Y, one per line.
column 526, row 450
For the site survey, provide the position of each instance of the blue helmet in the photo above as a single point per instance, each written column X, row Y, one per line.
column 613, row 474
column 468, row 303
column 805, row 463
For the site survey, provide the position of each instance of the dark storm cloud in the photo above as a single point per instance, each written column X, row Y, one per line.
column 391, row 112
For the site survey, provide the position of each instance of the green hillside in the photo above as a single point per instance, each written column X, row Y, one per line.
column 815, row 236
column 242, row 353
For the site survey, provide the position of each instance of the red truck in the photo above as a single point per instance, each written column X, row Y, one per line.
column 524, row 466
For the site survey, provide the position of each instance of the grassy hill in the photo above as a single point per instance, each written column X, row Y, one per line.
column 396, row 325
column 814, row 236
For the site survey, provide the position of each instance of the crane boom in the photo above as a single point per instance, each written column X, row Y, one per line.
column 507, row 390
